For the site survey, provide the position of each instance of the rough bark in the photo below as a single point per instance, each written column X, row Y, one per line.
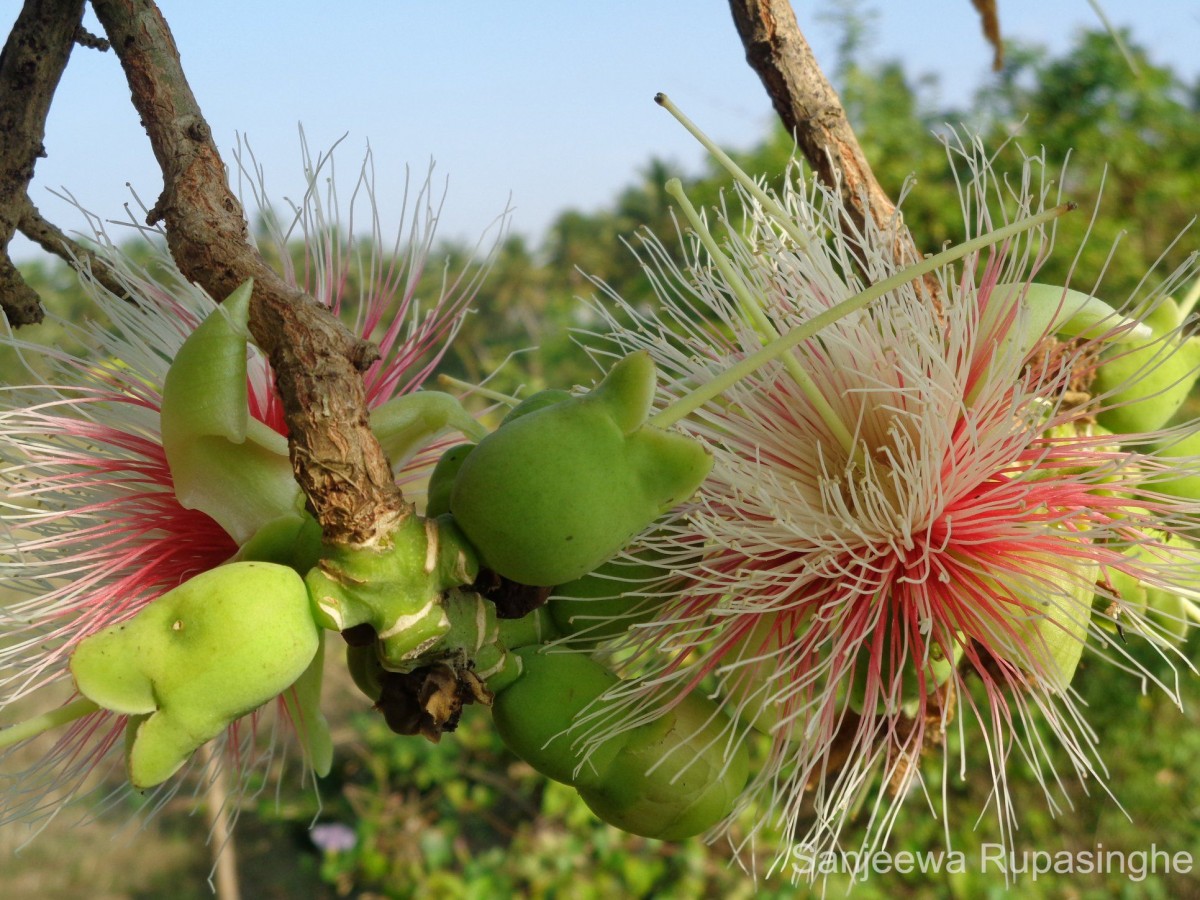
column 31, row 65
column 810, row 109
column 338, row 462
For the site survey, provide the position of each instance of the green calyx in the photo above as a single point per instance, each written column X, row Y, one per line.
column 671, row 778
column 223, row 461
column 199, row 657
column 556, row 491
column 398, row 588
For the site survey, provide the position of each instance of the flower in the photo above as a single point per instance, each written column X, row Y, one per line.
column 913, row 523
column 93, row 529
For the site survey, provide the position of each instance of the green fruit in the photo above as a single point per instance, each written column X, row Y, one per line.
column 671, row 778
column 197, row 658
column 553, row 493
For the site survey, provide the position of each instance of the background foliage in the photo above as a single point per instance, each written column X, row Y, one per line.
column 465, row 818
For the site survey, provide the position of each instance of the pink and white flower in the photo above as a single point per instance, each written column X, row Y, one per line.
column 93, row 530
column 913, row 524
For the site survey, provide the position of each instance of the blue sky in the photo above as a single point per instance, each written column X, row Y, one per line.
column 548, row 103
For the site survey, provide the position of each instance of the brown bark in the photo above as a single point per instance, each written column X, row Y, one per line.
column 810, row 109
column 31, row 66
column 338, row 462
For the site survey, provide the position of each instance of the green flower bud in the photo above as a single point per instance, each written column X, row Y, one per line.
column 362, row 661
column 1052, row 309
column 675, row 778
column 197, row 658
column 553, row 493
column 1182, row 485
column 533, row 713
column 671, row 778
column 292, row 540
column 537, row 401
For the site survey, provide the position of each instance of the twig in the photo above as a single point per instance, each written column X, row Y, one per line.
column 338, row 462
column 31, row 65
column 220, row 826
column 51, row 238
column 810, row 109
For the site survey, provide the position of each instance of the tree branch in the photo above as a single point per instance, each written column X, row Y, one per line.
column 338, row 462
column 810, row 109
column 31, row 65
column 51, row 238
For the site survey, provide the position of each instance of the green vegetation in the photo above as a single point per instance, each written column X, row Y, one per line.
column 464, row 818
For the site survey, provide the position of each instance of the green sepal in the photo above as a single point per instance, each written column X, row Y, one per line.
column 291, row 540
column 397, row 588
column 409, row 422
column 223, row 461
column 554, row 493
column 1142, row 387
column 303, row 702
column 197, row 658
